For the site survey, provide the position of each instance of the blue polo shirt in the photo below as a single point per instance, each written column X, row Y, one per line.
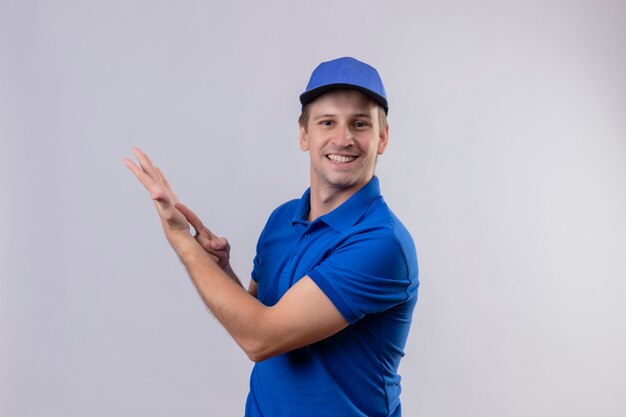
column 362, row 257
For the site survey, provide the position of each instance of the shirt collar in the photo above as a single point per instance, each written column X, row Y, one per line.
column 347, row 214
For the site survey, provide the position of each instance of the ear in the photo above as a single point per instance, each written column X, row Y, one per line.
column 383, row 140
column 304, row 139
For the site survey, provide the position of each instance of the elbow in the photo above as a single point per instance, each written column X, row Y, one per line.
column 265, row 340
column 256, row 357
column 257, row 352
column 261, row 341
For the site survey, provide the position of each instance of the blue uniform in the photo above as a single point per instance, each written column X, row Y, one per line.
column 364, row 260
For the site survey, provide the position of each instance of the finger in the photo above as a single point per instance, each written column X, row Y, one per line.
column 219, row 243
column 139, row 173
column 162, row 177
column 222, row 255
column 145, row 162
column 192, row 218
column 219, row 253
column 161, row 198
column 204, row 241
column 165, row 183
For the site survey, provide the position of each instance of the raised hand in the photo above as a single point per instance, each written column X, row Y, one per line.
column 173, row 221
column 216, row 246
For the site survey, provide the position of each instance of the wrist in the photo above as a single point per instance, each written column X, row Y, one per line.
column 189, row 251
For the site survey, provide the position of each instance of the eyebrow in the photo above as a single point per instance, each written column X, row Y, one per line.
column 357, row 115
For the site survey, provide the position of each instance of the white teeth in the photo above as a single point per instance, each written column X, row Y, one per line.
column 341, row 159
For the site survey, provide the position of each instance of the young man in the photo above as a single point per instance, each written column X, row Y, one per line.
column 334, row 284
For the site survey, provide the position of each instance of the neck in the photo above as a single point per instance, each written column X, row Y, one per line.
column 326, row 198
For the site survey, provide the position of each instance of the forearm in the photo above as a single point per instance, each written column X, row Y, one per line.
column 231, row 274
column 240, row 313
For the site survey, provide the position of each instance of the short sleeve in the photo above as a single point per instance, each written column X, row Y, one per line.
column 255, row 269
column 365, row 274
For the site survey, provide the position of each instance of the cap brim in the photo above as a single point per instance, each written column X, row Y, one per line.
column 309, row 96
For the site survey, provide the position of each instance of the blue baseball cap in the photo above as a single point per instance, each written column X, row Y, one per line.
column 348, row 73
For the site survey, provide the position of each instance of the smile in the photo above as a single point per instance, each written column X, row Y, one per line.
column 341, row 159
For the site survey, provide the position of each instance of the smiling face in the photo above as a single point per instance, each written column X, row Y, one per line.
column 343, row 136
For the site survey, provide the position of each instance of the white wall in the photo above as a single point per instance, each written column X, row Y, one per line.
column 507, row 162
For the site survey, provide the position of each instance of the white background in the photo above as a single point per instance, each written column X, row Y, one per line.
column 507, row 162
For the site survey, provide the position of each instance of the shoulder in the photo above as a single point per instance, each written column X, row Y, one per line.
column 382, row 228
column 371, row 267
column 280, row 218
column 284, row 211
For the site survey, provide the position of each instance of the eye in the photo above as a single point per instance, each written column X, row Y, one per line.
column 326, row 122
column 360, row 124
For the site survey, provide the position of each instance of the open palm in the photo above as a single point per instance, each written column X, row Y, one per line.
column 173, row 221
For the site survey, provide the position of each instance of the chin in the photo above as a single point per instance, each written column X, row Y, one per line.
column 344, row 183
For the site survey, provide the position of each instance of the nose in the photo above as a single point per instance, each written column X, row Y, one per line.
column 343, row 136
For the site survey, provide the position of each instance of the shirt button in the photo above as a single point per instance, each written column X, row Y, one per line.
column 307, row 235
